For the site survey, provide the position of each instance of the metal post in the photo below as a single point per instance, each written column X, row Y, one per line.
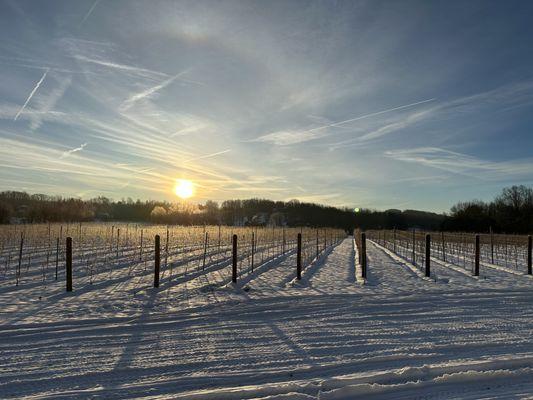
column 443, row 247
column 413, row 258
column 428, row 255
column 253, row 249
column 234, row 260
column 299, row 258
column 157, row 260
column 359, row 253
column 68, row 264
column 205, row 249
column 20, row 256
column 529, row 268
column 476, row 266
column 317, row 251
column 363, row 255
column 491, row 245
column 57, row 256
column 118, row 239
column 141, row 250
column 166, row 250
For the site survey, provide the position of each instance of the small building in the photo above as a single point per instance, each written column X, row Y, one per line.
column 260, row 219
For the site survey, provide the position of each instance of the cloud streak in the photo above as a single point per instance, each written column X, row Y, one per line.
column 31, row 95
column 288, row 137
column 46, row 103
column 75, row 150
column 88, row 14
column 463, row 164
column 208, row 155
column 119, row 66
column 150, row 91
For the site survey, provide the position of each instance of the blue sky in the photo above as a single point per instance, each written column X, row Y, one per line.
column 404, row 104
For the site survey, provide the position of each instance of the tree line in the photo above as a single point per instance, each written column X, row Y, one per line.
column 21, row 207
column 510, row 212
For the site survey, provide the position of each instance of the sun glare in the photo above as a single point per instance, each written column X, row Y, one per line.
column 184, row 188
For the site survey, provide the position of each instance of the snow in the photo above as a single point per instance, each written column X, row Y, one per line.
column 397, row 335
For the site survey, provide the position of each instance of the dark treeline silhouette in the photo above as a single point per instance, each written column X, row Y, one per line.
column 396, row 219
column 21, row 207
column 510, row 212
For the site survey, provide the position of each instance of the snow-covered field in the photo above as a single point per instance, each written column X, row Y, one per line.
column 398, row 336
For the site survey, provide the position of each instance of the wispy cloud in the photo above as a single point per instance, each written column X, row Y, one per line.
column 505, row 97
column 188, row 130
column 463, row 164
column 384, row 130
column 208, row 155
column 31, row 95
column 75, row 150
column 288, row 137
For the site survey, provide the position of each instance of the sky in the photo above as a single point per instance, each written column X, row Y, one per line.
column 374, row 104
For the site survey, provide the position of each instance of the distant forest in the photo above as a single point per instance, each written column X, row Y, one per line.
column 509, row 212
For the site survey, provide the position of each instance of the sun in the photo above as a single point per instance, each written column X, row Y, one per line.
column 184, row 188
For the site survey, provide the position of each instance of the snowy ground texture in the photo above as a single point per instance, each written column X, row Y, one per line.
column 330, row 336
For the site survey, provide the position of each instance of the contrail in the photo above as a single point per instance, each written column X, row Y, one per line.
column 302, row 136
column 89, row 12
column 369, row 115
column 208, row 155
column 148, row 92
column 31, row 95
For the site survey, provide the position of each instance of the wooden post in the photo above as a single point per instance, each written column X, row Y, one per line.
column 234, row 260
column 394, row 239
column 157, row 260
column 476, row 265
column 529, row 268
column 299, row 258
column 428, row 255
column 363, row 255
column 68, row 264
